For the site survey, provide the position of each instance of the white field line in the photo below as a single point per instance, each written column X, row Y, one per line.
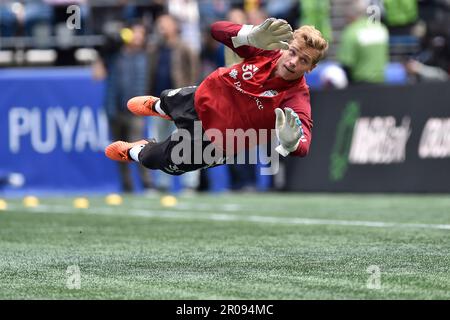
column 192, row 215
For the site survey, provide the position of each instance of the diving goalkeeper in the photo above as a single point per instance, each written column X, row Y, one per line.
column 267, row 90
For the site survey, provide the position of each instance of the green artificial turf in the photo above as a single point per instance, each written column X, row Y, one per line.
column 250, row 246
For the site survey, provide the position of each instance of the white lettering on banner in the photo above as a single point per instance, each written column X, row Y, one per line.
column 66, row 125
column 379, row 141
column 44, row 127
column 435, row 140
column 103, row 131
column 86, row 134
column 40, row 144
column 19, row 124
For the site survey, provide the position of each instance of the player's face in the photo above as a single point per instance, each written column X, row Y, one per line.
column 295, row 61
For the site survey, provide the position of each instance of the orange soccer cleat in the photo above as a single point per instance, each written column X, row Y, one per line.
column 118, row 150
column 142, row 106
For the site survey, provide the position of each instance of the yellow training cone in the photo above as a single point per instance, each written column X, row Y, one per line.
column 114, row 199
column 81, row 203
column 3, row 205
column 30, row 202
column 169, row 201
column 127, row 35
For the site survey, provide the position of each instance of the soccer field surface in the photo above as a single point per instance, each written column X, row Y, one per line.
column 249, row 246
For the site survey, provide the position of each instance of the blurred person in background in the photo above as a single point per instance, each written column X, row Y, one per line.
column 287, row 10
column 211, row 11
column 187, row 14
column 146, row 11
column 432, row 62
column 400, row 15
column 124, row 64
column 316, row 13
column 172, row 65
column 364, row 48
column 256, row 15
column 420, row 72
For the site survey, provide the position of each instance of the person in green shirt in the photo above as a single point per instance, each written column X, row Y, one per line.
column 317, row 13
column 400, row 12
column 364, row 47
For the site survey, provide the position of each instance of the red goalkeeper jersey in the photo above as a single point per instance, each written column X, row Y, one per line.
column 244, row 96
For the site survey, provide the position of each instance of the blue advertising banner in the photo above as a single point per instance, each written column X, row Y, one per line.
column 53, row 131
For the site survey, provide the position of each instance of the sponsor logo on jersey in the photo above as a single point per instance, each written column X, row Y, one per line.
column 233, row 73
column 269, row 93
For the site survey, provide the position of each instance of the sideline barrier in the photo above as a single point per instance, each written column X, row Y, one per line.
column 377, row 139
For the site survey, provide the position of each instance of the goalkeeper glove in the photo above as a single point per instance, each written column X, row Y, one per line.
column 288, row 129
column 272, row 34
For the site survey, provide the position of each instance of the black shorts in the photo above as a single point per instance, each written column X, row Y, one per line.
column 179, row 105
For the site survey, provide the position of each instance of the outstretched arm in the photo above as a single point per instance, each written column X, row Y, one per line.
column 293, row 127
column 249, row 40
